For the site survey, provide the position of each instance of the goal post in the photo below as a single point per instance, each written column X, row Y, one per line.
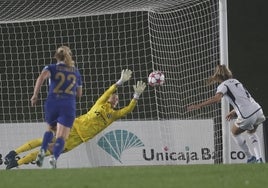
column 224, row 60
column 185, row 39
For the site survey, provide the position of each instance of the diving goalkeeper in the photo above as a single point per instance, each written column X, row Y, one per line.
column 85, row 127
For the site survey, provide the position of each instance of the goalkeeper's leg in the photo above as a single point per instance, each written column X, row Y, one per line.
column 29, row 158
column 31, row 144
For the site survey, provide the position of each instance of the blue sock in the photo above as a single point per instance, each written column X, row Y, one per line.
column 47, row 138
column 58, row 147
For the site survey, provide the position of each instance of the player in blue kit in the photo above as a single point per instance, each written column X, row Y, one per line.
column 65, row 85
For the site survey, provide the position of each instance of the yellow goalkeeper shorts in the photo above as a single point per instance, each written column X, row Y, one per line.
column 73, row 141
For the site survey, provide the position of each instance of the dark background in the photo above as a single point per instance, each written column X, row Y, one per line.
column 247, row 30
column 247, row 27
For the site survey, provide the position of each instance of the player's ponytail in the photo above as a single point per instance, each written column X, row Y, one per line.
column 221, row 74
column 64, row 53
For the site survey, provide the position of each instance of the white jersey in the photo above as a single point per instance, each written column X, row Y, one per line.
column 242, row 102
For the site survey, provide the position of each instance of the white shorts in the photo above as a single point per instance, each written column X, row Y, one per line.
column 251, row 122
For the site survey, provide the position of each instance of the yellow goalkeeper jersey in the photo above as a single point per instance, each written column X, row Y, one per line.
column 100, row 116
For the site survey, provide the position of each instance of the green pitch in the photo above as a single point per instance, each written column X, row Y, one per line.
column 180, row 176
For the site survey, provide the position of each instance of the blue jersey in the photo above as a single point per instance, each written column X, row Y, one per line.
column 60, row 105
column 63, row 81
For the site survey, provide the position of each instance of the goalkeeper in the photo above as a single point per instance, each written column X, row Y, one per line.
column 86, row 126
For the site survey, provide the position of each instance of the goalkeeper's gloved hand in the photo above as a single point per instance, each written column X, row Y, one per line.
column 138, row 89
column 125, row 76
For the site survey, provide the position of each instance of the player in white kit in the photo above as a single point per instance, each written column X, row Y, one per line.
column 248, row 112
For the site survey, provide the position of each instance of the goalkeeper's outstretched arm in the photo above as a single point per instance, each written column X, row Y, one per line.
column 125, row 76
column 138, row 89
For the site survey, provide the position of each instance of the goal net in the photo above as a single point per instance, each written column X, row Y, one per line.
column 179, row 37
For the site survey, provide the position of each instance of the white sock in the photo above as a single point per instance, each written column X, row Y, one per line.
column 241, row 142
column 254, row 139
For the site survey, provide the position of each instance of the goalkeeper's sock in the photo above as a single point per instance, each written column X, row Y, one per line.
column 48, row 136
column 255, row 144
column 58, row 147
column 30, row 157
column 241, row 142
column 29, row 145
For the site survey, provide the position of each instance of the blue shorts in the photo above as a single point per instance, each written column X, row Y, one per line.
column 61, row 111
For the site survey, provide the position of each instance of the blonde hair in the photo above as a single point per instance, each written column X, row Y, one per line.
column 221, row 74
column 64, row 54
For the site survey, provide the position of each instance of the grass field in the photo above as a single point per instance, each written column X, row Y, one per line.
column 180, row 176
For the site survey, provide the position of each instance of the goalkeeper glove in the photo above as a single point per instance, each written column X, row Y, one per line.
column 138, row 89
column 125, row 76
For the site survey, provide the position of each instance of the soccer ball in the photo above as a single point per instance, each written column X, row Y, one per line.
column 156, row 78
